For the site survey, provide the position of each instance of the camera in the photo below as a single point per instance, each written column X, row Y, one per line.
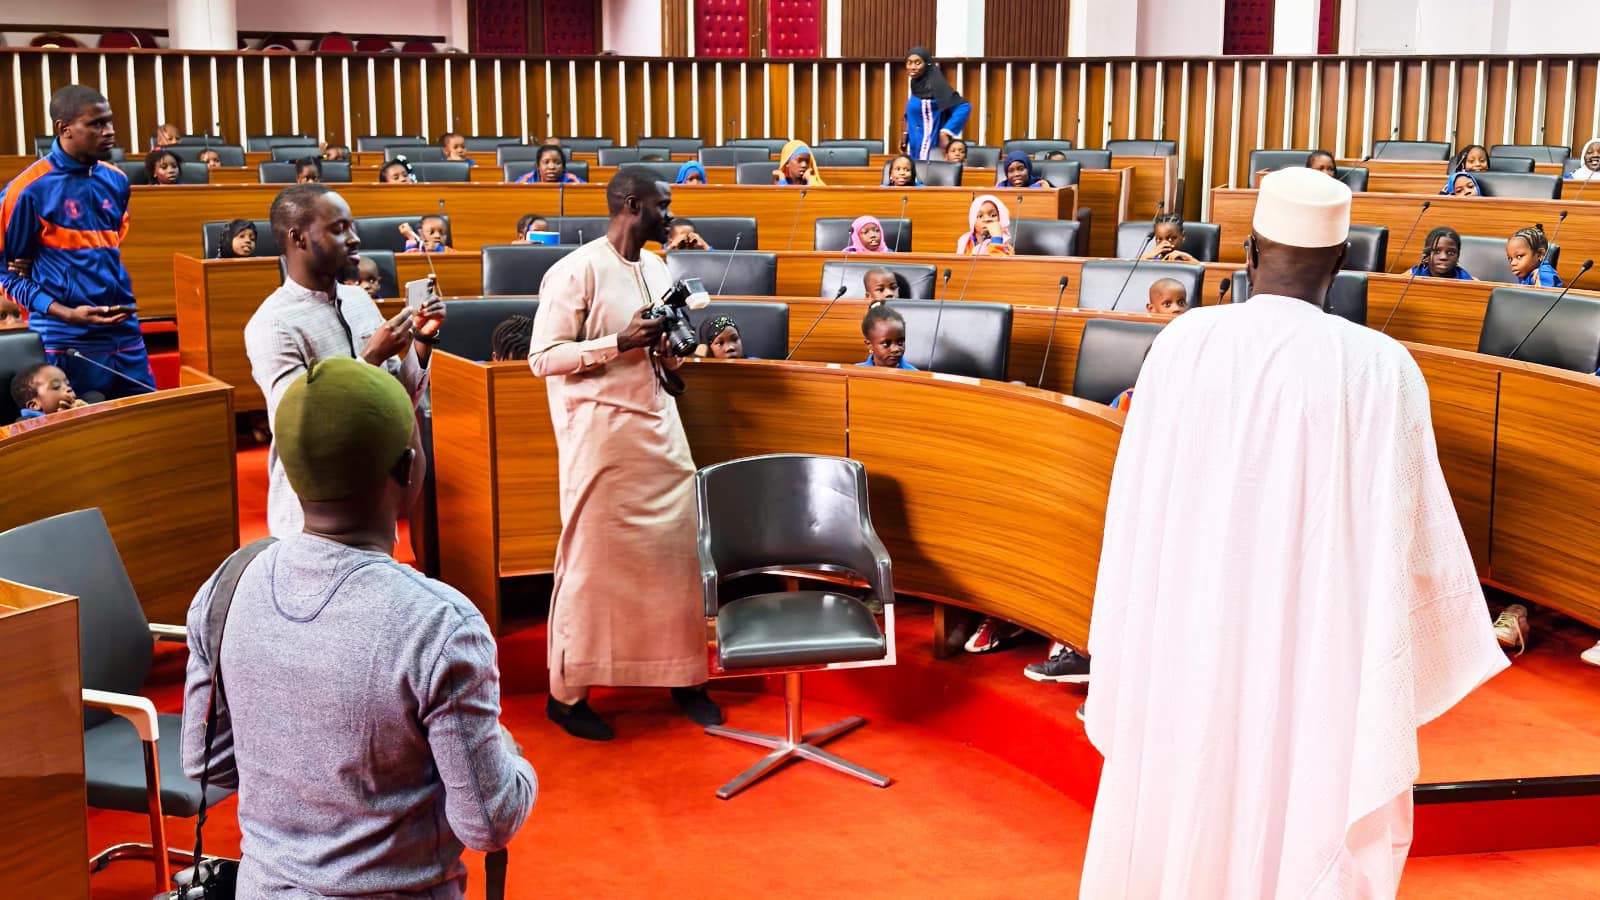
column 674, row 307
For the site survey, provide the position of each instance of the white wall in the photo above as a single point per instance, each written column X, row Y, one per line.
column 631, row 27
column 1294, row 26
column 958, row 29
column 440, row 17
column 1463, row 26
column 1179, row 27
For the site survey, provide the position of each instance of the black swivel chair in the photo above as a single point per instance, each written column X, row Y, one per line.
column 763, row 327
column 671, row 145
column 980, row 156
column 783, row 513
column 932, row 173
column 1116, row 284
column 1058, row 174
column 1347, row 295
column 616, row 156
column 859, row 143
column 188, row 173
column 388, row 275
column 263, row 143
column 1428, row 150
column 773, row 146
column 1142, row 148
column 839, row 157
column 1046, row 237
column 1544, row 153
column 1521, row 165
column 585, row 144
column 211, row 238
column 1485, row 258
column 292, row 152
column 1110, row 356
column 1369, row 248
column 383, row 232
column 370, row 142
column 578, row 229
column 227, row 154
column 663, row 171
column 483, row 143
column 1088, row 159
column 473, row 321
column 739, row 274
column 441, row 172
column 19, row 349
column 831, row 233
column 510, row 153
column 916, row 280
column 728, row 232
column 754, row 172
column 285, row 172
column 511, row 270
column 733, row 156
column 1272, row 160
column 967, row 338
column 515, row 170
column 414, row 153
column 1201, row 240
column 1527, row 187
column 1031, row 147
column 131, row 754
column 1568, row 338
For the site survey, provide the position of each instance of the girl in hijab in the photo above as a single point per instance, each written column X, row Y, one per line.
column 989, row 229
column 902, row 172
column 550, row 168
column 795, row 165
column 935, row 113
column 866, row 236
column 1016, row 171
column 719, row 339
column 691, row 173
column 1591, row 162
column 1462, row 184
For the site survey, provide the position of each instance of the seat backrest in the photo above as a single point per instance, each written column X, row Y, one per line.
column 868, row 145
column 1142, row 148
column 672, row 145
column 1429, row 150
column 426, row 172
column 663, row 171
column 292, row 152
column 42, row 144
column 586, row 144
column 488, row 143
column 284, row 172
column 757, row 172
column 980, row 156
column 518, row 269
column 789, row 510
column 1272, row 160
column 381, row 141
column 916, row 280
column 1201, row 240
column 1125, row 285
column 1369, row 248
column 198, row 140
column 773, row 146
column 383, row 232
column 1044, row 237
column 616, row 156
column 839, row 157
column 1545, row 153
column 1059, row 174
column 510, row 153
column 973, row 339
column 763, row 327
column 728, row 232
column 413, row 153
column 1088, row 159
column 1031, row 147
column 1527, row 187
column 1484, row 258
column 19, row 349
column 1568, row 338
column 1519, row 164
column 1347, row 295
column 262, row 143
column 188, row 172
column 1110, row 356
column 732, row 156
column 831, row 233
column 473, row 321
column 227, row 154
column 1354, row 177
column 73, row 553
column 743, row 273
column 578, row 229
column 211, row 238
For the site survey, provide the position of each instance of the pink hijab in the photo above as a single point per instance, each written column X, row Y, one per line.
column 855, row 236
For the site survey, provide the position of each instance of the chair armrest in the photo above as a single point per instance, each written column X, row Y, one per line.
column 138, row 710
column 176, row 634
column 709, row 576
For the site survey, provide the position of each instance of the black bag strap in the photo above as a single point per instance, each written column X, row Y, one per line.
column 222, row 592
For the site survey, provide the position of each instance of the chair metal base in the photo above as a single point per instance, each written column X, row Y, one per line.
column 794, row 745
column 146, row 852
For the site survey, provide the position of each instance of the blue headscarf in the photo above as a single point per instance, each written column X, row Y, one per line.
column 1005, row 164
column 1450, row 186
column 691, row 166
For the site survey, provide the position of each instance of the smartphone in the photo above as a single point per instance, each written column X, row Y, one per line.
column 418, row 293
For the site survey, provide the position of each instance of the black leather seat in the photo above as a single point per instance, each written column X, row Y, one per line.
column 827, row 158
column 1116, row 284
column 932, row 173
column 728, row 232
column 441, row 172
column 860, row 143
column 19, row 349
column 1544, row 153
column 414, row 153
column 1484, row 258
column 511, row 153
column 515, row 170
column 383, row 232
column 284, row 172
column 1142, row 148
column 263, row 143
column 292, row 152
column 1347, row 295
column 663, row 171
column 511, row 270
column 1059, row 174
column 773, row 146
column 974, row 339
column 1110, row 356
column 1202, row 240
column 763, row 327
column 1369, row 248
column 980, row 156
column 369, row 142
column 745, row 273
column 1521, row 165
column 585, row 144
column 754, row 172
column 188, row 173
column 616, row 156
column 830, row 233
column 916, row 280
column 211, row 238
column 471, row 323
column 578, row 229
column 1273, row 160
column 1568, row 338
column 1429, row 150
column 1088, row 159
column 230, row 155
column 1046, row 237
column 1031, row 147
column 672, row 144
column 488, row 143
column 732, row 156
column 1527, row 187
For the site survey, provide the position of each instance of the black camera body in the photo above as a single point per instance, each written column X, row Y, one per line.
column 674, row 308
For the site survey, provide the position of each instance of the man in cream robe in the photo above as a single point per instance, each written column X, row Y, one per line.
column 626, row 606
column 1273, row 623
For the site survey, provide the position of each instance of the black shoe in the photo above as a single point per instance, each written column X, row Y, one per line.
column 1065, row 665
column 697, row 705
column 578, row 720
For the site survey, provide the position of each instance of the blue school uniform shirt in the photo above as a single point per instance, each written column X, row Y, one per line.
column 903, row 363
column 532, row 177
column 29, row 414
column 1421, row 270
column 1544, row 276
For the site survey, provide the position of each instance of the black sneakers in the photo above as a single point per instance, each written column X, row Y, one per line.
column 697, row 705
column 1065, row 665
column 578, row 720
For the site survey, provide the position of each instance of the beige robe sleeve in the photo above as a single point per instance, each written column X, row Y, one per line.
column 558, row 346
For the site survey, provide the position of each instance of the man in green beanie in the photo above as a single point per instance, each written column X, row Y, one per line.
column 363, row 701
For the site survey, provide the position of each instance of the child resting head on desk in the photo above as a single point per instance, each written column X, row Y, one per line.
column 884, row 331
column 42, row 389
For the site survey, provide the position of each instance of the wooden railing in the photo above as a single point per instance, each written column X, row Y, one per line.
column 1216, row 109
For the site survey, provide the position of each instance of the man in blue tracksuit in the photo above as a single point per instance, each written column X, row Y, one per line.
column 64, row 218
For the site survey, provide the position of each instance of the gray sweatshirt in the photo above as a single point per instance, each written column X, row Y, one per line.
column 365, row 740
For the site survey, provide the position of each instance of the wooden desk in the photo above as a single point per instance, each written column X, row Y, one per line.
column 1436, row 169
column 159, row 466
column 41, row 771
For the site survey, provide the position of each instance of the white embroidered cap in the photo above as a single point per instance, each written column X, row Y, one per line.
column 1301, row 207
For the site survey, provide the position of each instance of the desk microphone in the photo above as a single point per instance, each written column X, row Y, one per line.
column 798, row 205
column 561, row 194
column 1587, row 265
column 1050, row 338
column 823, row 315
column 1223, row 288
column 1392, row 309
column 1401, row 255
column 729, row 267
column 73, row 352
column 945, row 283
column 900, row 223
column 1560, row 220
column 1138, row 258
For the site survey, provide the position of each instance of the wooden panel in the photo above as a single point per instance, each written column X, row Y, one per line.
column 41, row 772
column 879, row 28
column 528, row 529
column 1431, row 311
column 804, row 412
column 1024, row 28
column 170, row 501
column 1461, row 394
column 463, row 475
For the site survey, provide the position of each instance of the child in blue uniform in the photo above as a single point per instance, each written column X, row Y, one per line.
column 884, row 331
column 935, row 113
column 1526, row 251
